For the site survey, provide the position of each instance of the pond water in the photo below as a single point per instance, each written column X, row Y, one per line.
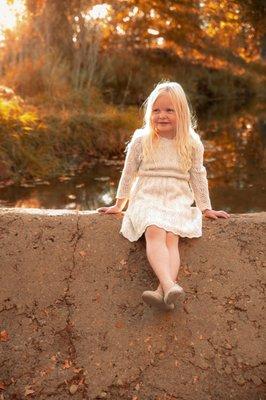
column 235, row 159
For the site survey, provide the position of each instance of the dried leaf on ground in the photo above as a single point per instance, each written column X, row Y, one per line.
column 28, row 391
column 119, row 324
column 67, row 364
column 73, row 388
column 4, row 337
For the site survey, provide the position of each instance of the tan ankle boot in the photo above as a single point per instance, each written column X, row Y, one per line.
column 155, row 299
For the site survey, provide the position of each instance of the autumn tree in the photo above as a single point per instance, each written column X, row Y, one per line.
column 61, row 44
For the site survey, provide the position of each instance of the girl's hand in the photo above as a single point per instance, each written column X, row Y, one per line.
column 109, row 210
column 215, row 214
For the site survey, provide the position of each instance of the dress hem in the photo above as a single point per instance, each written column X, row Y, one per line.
column 162, row 227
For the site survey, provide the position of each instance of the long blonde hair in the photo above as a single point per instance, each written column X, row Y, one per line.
column 186, row 123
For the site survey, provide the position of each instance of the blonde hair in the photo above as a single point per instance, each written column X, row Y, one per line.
column 185, row 136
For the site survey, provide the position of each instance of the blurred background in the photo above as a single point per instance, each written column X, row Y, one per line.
column 73, row 76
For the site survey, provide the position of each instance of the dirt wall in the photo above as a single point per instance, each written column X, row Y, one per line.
column 73, row 324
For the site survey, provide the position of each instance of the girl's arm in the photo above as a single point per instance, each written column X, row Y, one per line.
column 129, row 173
column 198, row 179
column 199, row 184
column 131, row 167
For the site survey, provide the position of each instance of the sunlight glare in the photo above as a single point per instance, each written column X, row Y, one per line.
column 160, row 41
column 152, row 31
column 100, row 11
column 106, row 198
column 120, row 30
column 10, row 14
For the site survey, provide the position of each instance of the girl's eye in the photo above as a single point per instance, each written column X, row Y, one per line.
column 155, row 110
column 170, row 110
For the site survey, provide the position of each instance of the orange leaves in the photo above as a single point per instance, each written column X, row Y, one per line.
column 119, row 324
column 67, row 364
column 4, row 337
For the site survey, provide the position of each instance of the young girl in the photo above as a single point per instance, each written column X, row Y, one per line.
column 162, row 176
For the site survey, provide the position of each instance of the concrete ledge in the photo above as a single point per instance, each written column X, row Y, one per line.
column 73, row 324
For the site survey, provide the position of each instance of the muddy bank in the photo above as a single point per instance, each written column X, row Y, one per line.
column 73, row 324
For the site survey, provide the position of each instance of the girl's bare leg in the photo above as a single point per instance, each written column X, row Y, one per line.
column 159, row 256
column 172, row 242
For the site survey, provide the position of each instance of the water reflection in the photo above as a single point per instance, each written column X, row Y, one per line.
column 234, row 156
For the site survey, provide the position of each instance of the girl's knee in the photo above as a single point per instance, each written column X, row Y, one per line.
column 172, row 239
column 153, row 232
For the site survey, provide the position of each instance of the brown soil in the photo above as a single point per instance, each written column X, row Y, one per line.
column 73, row 324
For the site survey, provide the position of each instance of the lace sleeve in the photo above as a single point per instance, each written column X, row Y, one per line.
column 198, row 179
column 131, row 166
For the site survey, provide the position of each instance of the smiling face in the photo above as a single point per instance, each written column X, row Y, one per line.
column 163, row 116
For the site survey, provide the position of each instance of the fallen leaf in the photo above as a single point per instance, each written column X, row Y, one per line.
column 4, row 337
column 73, row 388
column 77, row 370
column 82, row 253
column 102, row 395
column 119, row 324
column 67, row 364
column 28, row 391
column 2, row 386
column 81, row 381
column 123, row 262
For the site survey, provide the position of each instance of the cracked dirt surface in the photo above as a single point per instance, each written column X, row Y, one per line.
column 73, row 324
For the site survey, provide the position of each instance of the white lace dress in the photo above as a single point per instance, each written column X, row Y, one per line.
column 161, row 193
